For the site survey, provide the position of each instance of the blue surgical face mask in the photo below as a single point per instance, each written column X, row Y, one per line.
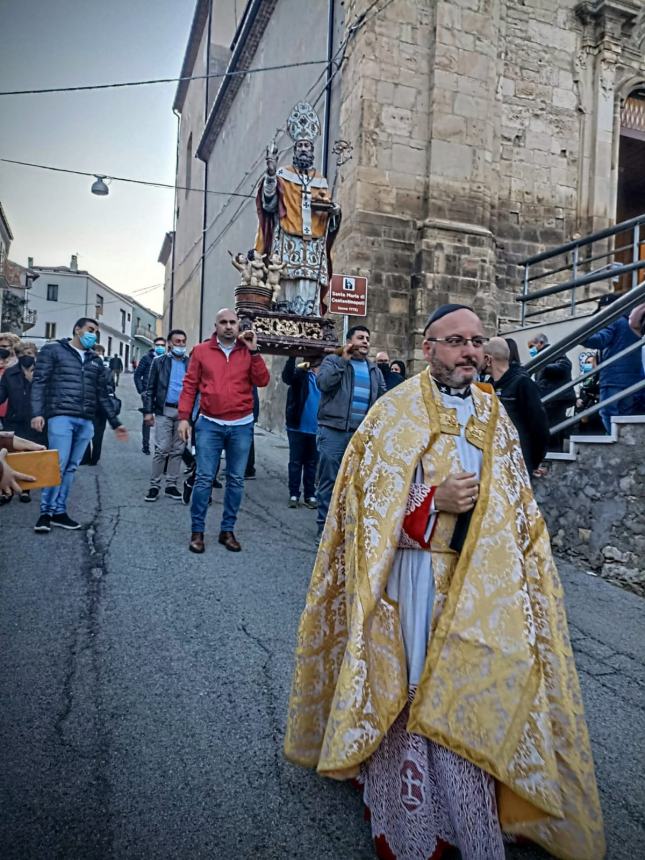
column 160, row 350
column 179, row 351
column 587, row 367
column 533, row 351
column 88, row 339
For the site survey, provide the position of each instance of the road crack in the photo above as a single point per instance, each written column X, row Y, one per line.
column 81, row 725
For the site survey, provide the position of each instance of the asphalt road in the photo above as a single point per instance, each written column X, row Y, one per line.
column 144, row 689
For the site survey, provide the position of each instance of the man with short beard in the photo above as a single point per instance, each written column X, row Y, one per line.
column 433, row 662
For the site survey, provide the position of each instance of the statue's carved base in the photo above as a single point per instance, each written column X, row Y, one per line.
column 289, row 334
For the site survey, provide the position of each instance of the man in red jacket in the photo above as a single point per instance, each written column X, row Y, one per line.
column 223, row 370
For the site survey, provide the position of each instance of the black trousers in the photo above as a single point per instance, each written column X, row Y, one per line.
column 25, row 431
column 556, row 412
column 303, row 460
column 250, row 463
column 93, row 451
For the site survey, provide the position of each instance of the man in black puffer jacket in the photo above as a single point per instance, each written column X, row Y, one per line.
column 67, row 390
column 520, row 396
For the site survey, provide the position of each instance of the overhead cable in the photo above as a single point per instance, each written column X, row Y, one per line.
column 122, row 178
column 121, row 84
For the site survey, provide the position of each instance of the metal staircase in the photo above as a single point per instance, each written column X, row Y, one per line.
column 574, row 271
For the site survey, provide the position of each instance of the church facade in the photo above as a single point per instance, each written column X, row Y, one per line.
column 482, row 132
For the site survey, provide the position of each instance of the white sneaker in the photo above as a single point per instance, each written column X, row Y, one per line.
column 311, row 503
column 293, row 502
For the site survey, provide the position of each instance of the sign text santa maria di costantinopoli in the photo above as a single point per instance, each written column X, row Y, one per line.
column 348, row 295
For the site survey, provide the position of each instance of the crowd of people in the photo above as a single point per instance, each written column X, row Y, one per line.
column 424, row 593
column 65, row 395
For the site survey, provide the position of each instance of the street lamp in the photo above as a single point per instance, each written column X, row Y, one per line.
column 99, row 187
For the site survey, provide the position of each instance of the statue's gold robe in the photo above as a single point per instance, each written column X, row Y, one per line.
column 499, row 687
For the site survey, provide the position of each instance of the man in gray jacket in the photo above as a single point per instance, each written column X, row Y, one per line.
column 349, row 385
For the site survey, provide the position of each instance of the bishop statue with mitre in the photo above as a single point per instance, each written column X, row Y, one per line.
column 298, row 221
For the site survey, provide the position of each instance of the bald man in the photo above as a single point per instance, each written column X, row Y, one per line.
column 432, row 661
column 392, row 379
column 520, row 396
column 223, row 370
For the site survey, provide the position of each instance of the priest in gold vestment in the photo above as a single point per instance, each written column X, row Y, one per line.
column 433, row 661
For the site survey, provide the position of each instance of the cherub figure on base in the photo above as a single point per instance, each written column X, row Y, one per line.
column 243, row 265
column 274, row 272
column 258, row 269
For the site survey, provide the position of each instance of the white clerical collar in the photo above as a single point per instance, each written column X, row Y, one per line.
column 463, row 392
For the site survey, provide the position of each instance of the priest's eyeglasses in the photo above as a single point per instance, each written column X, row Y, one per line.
column 457, row 340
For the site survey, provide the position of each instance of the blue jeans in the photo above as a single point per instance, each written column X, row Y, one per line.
column 210, row 440
column 331, row 448
column 633, row 404
column 303, row 458
column 70, row 437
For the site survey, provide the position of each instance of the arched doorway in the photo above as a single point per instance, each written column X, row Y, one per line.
column 630, row 198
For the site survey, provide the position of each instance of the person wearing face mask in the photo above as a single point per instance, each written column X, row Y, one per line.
column 67, row 390
column 160, row 402
column 93, row 451
column 548, row 378
column 8, row 343
column 141, row 375
column 15, row 391
column 392, row 378
column 588, row 395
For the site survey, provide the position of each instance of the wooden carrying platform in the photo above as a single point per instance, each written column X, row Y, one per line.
column 289, row 334
column 41, row 465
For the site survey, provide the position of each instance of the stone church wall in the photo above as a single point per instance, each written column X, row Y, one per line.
column 595, row 507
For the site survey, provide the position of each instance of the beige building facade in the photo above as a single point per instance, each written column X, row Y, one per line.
column 483, row 131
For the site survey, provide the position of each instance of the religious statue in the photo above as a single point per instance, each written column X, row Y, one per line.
column 298, row 221
column 258, row 269
column 242, row 264
column 274, row 273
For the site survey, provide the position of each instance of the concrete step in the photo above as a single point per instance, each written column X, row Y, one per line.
column 609, row 439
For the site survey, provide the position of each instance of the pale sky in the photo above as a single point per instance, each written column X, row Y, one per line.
column 127, row 132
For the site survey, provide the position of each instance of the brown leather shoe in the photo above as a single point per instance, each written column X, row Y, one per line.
column 196, row 542
column 229, row 540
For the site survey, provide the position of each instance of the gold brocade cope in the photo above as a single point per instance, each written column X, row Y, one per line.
column 499, row 685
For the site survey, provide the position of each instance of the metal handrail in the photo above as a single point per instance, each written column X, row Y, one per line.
column 577, row 302
column 591, row 325
column 599, row 275
column 603, row 364
column 584, row 261
column 588, row 240
column 575, row 262
column 575, row 419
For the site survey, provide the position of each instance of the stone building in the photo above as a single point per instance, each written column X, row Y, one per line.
column 183, row 248
column 483, row 131
column 63, row 294
column 145, row 327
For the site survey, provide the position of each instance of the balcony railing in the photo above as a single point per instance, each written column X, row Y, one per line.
column 29, row 317
column 145, row 333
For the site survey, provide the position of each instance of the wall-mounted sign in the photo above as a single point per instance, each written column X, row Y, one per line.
column 348, row 295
